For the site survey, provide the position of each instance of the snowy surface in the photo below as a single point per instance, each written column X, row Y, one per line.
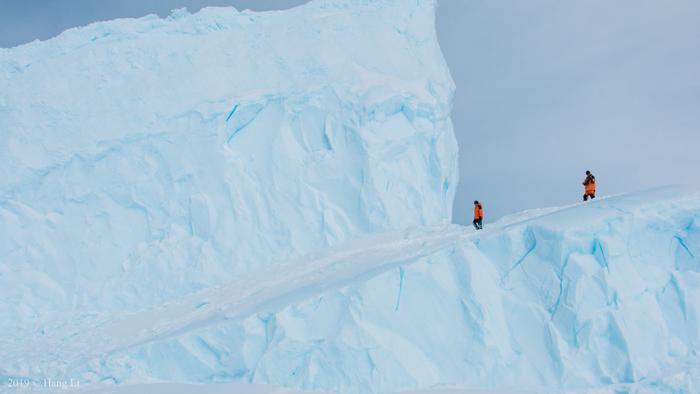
column 239, row 388
column 265, row 199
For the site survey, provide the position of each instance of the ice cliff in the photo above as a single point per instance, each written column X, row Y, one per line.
column 242, row 197
column 144, row 159
column 597, row 297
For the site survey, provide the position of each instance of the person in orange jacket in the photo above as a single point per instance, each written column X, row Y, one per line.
column 589, row 184
column 478, row 215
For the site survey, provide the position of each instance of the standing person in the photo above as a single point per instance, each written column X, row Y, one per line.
column 589, row 183
column 478, row 215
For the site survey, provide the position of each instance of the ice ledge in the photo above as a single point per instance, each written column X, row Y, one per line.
column 573, row 299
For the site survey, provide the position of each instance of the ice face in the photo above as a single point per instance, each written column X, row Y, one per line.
column 602, row 296
column 144, row 159
column 592, row 296
column 265, row 198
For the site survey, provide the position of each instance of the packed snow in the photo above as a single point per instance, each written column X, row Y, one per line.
column 265, row 198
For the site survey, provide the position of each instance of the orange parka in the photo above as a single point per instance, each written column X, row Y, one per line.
column 589, row 183
column 478, row 212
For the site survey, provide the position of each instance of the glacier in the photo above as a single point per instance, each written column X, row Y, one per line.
column 265, row 198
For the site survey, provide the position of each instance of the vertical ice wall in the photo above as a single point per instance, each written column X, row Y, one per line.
column 147, row 158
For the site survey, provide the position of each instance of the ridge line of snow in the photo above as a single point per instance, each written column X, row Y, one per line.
column 298, row 279
column 294, row 281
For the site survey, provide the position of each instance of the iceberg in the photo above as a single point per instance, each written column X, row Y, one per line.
column 596, row 297
column 145, row 159
column 265, row 198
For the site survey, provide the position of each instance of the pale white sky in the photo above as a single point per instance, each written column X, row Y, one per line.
column 545, row 89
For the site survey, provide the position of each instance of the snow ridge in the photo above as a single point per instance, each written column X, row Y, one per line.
column 593, row 296
column 574, row 299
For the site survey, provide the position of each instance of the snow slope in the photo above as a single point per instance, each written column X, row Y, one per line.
column 598, row 296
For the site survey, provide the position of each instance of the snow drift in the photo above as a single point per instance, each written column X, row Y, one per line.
column 265, row 198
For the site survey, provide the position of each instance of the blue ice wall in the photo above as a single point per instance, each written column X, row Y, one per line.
column 144, row 159
column 603, row 296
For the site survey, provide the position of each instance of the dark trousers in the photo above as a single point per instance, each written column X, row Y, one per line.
column 591, row 195
column 478, row 224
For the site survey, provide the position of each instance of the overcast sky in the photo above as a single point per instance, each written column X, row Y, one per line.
column 545, row 89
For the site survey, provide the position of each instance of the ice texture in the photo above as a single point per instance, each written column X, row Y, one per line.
column 143, row 159
column 597, row 297
column 603, row 296
column 265, row 198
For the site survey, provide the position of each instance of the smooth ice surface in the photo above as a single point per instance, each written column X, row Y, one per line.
column 144, row 159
